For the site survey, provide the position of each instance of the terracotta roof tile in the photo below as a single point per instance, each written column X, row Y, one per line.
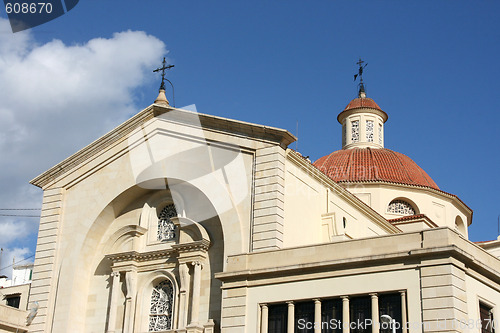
column 369, row 164
column 406, row 218
column 362, row 103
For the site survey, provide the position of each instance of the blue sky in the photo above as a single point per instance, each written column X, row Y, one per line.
column 431, row 66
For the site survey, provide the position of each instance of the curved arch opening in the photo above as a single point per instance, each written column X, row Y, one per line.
column 161, row 313
column 120, row 223
column 402, row 206
column 460, row 226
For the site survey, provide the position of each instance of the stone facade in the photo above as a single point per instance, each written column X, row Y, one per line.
column 253, row 225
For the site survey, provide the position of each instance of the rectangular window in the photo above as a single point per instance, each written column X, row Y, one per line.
column 331, row 316
column 304, row 317
column 13, row 300
column 278, row 316
column 369, row 130
column 360, row 314
column 390, row 305
column 355, row 131
column 486, row 314
column 343, row 135
column 380, row 138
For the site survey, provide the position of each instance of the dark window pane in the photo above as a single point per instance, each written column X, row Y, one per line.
column 390, row 305
column 331, row 316
column 278, row 315
column 360, row 314
column 486, row 318
column 304, row 317
column 13, row 301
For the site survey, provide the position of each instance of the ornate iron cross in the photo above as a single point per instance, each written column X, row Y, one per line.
column 360, row 70
column 163, row 69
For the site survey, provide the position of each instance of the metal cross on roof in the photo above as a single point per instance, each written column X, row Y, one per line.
column 360, row 70
column 360, row 74
column 163, row 69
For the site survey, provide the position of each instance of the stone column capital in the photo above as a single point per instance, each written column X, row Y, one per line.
column 197, row 263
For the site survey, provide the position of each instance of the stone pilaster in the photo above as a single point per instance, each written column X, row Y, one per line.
column 45, row 272
column 268, row 210
column 233, row 313
column 317, row 316
column 375, row 313
column 345, row 315
column 115, row 289
column 291, row 318
column 131, row 281
column 443, row 298
column 183, row 294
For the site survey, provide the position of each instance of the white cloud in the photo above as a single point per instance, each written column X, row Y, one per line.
column 8, row 257
column 55, row 99
column 11, row 229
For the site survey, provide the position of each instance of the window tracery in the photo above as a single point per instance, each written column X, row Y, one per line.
column 400, row 207
column 369, row 130
column 355, row 131
column 166, row 228
column 380, row 138
column 161, row 310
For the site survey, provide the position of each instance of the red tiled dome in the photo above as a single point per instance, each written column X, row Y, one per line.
column 369, row 164
column 362, row 103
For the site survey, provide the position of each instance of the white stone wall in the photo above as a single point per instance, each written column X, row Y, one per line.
column 440, row 208
column 477, row 292
column 315, row 211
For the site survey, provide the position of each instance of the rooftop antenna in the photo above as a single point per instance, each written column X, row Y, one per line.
column 162, row 69
column 361, row 85
column 1, row 254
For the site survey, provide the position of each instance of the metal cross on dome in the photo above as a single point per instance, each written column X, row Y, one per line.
column 360, row 70
column 360, row 74
column 163, row 69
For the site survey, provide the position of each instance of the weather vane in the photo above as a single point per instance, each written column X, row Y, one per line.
column 163, row 69
column 360, row 74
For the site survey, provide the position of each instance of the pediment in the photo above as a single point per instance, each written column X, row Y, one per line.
column 118, row 141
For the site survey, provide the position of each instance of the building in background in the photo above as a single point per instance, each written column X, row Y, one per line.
column 14, row 299
column 178, row 221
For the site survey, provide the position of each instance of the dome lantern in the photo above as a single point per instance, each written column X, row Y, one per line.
column 362, row 119
column 362, row 123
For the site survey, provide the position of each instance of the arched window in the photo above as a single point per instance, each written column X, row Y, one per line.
column 162, row 304
column 166, row 228
column 400, row 207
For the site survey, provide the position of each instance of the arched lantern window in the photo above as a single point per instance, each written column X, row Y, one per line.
column 166, row 228
column 162, row 304
column 400, row 207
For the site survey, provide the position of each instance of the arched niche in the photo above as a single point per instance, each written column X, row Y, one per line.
column 460, row 226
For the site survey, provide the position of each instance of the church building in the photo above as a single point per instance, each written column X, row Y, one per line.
column 177, row 221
